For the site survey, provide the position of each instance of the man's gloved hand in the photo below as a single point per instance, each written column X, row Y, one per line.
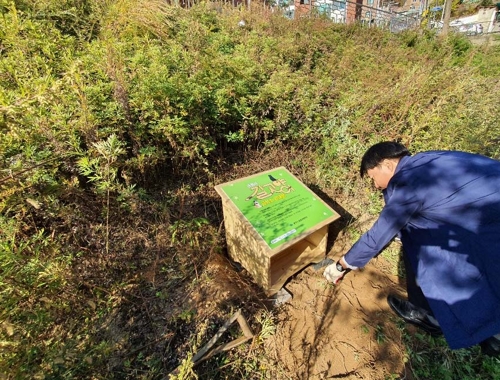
column 333, row 273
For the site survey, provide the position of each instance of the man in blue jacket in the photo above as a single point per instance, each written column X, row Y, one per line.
column 445, row 208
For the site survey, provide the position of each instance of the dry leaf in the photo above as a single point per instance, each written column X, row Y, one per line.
column 33, row 202
column 9, row 328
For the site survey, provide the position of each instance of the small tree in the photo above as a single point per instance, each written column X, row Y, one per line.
column 102, row 170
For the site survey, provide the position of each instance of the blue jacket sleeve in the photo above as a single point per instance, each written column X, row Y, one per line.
column 400, row 206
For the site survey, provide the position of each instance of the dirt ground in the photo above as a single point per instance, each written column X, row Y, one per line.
column 346, row 331
column 325, row 331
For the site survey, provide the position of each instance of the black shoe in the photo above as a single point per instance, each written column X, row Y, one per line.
column 414, row 315
column 491, row 346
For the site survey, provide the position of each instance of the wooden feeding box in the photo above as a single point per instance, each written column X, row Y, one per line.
column 275, row 225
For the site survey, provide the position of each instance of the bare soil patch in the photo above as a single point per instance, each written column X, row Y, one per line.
column 345, row 331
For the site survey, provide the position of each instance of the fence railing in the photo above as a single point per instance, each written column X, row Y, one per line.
column 348, row 12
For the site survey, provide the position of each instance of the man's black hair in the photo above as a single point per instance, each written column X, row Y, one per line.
column 379, row 152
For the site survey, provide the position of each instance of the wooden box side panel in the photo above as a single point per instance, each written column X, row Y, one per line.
column 286, row 263
column 319, row 239
column 244, row 246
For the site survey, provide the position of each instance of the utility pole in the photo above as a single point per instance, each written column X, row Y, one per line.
column 446, row 18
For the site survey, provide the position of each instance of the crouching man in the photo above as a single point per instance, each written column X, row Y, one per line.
column 445, row 208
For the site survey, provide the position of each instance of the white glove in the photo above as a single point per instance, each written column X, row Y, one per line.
column 332, row 274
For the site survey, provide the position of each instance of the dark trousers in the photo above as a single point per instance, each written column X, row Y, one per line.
column 415, row 294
